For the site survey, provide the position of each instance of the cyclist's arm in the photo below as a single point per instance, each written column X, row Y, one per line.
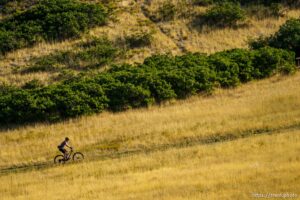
column 68, row 146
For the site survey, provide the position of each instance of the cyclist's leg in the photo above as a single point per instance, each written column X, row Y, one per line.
column 64, row 152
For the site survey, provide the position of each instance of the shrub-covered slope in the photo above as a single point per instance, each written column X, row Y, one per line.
column 89, row 81
column 158, row 79
column 135, row 30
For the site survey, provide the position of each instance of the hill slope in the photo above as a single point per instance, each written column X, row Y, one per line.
column 253, row 132
column 235, row 143
column 175, row 36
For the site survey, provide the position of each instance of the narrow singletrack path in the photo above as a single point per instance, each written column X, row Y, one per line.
column 182, row 143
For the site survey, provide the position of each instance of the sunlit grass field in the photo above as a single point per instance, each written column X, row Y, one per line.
column 260, row 105
column 230, row 170
column 225, row 146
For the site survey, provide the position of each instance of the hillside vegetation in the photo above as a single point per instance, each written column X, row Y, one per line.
column 132, row 32
column 179, row 99
column 161, row 150
column 158, row 79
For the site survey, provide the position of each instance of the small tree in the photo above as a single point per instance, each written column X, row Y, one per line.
column 224, row 15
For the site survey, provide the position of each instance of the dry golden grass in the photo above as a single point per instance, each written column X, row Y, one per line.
column 266, row 104
column 263, row 164
column 231, row 170
column 211, row 40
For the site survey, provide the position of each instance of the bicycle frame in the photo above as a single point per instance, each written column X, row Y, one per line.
column 75, row 156
column 69, row 154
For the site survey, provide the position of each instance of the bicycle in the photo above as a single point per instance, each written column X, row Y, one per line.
column 77, row 156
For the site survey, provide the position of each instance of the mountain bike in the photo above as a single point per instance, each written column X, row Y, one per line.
column 77, row 156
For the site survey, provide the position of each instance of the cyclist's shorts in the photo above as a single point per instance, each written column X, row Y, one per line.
column 62, row 150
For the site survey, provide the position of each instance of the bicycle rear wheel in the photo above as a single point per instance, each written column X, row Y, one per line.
column 78, row 156
column 59, row 159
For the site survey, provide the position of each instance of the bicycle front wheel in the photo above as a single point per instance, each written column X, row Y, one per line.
column 59, row 159
column 78, row 156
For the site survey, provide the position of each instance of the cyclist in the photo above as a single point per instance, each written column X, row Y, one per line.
column 62, row 149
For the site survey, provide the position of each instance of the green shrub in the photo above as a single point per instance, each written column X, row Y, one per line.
column 139, row 39
column 269, row 60
column 259, row 42
column 51, row 103
column 95, row 99
column 124, row 96
column 160, row 89
column 160, row 62
column 187, row 75
column 16, row 106
column 243, row 58
column 49, row 20
column 97, row 52
column 287, row 37
column 145, row 78
column 8, row 41
column 227, row 71
column 224, row 15
column 198, row 64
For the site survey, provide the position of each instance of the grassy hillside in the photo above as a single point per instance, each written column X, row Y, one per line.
column 227, row 143
column 231, row 145
column 130, row 18
column 256, row 107
column 232, row 170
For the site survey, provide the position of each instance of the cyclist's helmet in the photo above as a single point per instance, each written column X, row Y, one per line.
column 67, row 139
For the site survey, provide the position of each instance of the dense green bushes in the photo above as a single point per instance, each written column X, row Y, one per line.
column 49, row 20
column 288, row 37
column 159, row 78
column 51, row 103
column 230, row 13
column 223, row 15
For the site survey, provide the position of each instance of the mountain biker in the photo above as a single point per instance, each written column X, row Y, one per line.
column 62, row 149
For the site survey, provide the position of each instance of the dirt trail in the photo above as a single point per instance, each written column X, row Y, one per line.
column 92, row 155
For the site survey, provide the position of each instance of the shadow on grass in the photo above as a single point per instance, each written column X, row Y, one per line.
column 205, row 25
